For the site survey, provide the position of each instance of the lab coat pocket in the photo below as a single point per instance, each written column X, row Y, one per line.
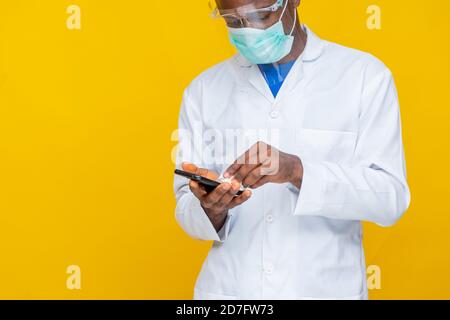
column 326, row 145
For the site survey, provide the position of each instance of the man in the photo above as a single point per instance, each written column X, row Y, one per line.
column 330, row 157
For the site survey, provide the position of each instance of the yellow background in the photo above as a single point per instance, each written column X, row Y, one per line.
column 86, row 119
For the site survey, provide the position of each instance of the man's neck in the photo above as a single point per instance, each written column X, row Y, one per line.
column 298, row 47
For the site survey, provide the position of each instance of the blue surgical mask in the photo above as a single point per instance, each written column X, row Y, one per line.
column 263, row 46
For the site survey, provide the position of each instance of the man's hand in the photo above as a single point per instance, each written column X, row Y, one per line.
column 217, row 203
column 263, row 164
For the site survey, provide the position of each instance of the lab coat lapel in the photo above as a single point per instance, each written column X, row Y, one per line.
column 253, row 76
column 312, row 51
column 292, row 80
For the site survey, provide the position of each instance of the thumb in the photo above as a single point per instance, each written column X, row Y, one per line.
column 189, row 167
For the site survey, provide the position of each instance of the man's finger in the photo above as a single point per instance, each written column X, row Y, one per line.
column 231, row 170
column 207, row 173
column 237, row 201
column 264, row 180
column 214, row 196
column 253, row 176
column 250, row 157
column 244, row 171
column 197, row 190
column 192, row 168
column 230, row 195
column 189, row 167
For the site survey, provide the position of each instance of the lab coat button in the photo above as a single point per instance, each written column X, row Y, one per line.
column 274, row 114
column 268, row 270
column 269, row 218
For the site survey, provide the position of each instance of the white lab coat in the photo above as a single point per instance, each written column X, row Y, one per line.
column 338, row 111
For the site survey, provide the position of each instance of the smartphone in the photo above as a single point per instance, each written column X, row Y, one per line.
column 208, row 184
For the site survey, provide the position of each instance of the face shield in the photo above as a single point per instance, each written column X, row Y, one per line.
column 257, row 29
column 250, row 15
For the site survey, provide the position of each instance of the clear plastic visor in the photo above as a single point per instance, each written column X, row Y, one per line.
column 258, row 14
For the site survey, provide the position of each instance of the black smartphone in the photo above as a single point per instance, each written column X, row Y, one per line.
column 208, row 184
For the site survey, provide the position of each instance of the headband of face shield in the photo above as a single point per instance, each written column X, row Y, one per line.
column 259, row 46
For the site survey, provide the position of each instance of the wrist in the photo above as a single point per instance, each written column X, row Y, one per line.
column 297, row 176
column 217, row 218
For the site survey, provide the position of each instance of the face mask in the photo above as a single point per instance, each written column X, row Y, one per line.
column 263, row 46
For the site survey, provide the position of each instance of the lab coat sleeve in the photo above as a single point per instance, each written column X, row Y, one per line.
column 189, row 212
column 373, row 187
